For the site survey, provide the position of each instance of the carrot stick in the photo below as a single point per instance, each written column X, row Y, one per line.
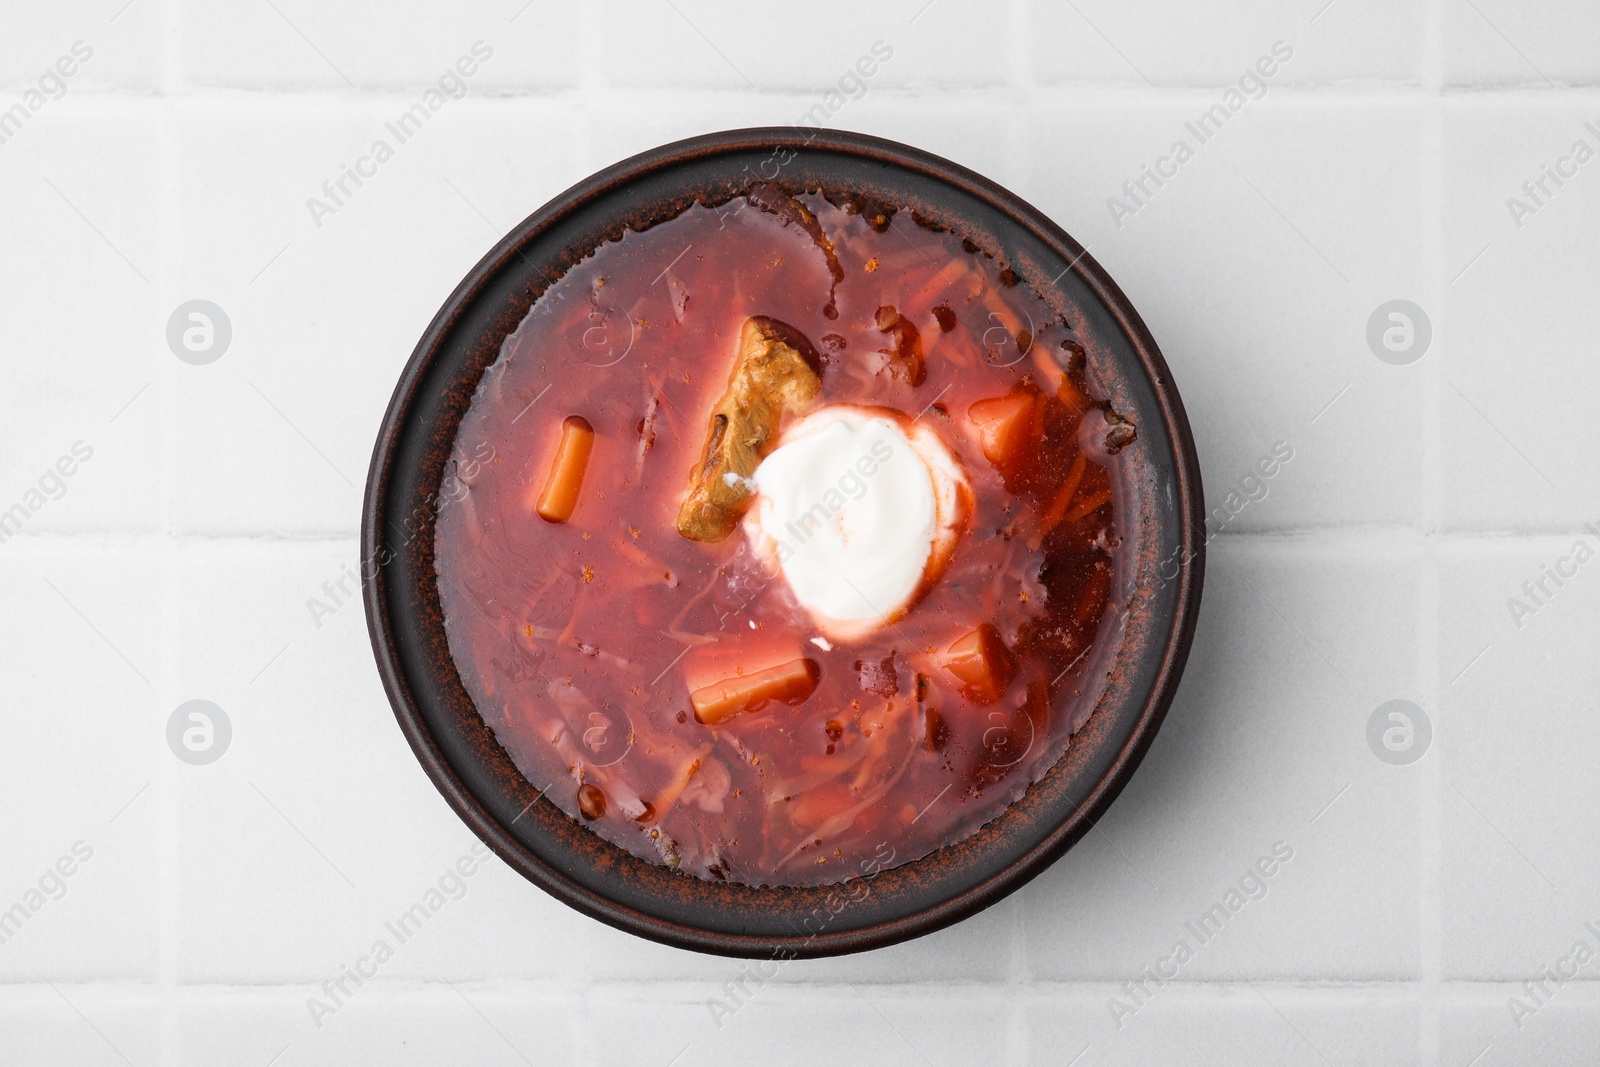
column 1069, row 395
column 1059, row 381
column 561, row 488
column 790, row 683
column 1058, row 506
column 943, row 279
column 1048, row 367
column 981, row 663
column 662, row 805
column 1089, row 504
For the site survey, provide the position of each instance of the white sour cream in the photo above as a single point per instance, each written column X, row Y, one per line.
column 860, row 509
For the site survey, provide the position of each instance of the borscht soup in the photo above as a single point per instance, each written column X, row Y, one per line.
column 780, row 544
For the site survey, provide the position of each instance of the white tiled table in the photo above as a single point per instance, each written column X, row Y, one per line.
column 178, row 561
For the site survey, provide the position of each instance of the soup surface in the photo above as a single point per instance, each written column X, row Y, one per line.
column 777, row 543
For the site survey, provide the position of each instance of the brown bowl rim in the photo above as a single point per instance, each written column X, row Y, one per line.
column 919, row 911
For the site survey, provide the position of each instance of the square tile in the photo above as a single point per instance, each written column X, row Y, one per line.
column 79, row 446
column 1498, row 43
column 1256, row 267
column 1213, row 44
column 1516, row 672
column 292, row 409
column 800, row 1026
column 1224, row 1025
column 57, row 50
column 66, row 1023
column 377, row 1022
column 714, row 43
column 1517, row 318
column 82, row 760
column 1260, row 832
column 466, row 47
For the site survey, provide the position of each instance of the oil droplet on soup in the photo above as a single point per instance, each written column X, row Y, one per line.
column 782, row 538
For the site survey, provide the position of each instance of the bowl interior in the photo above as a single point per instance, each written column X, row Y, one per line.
column 1160, row 499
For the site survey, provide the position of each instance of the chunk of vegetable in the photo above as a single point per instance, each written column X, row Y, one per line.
column 565, row 481
column 1058, row 507
column 787, row 683
column 1090, row 503
column 1003, row 424
column 981, row 664
column 775, row 369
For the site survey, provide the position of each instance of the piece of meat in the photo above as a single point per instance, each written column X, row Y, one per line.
column 776, row 369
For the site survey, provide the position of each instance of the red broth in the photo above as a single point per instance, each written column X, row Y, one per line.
column 576, row 640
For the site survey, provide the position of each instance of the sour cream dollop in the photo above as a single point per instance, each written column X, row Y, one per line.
column 860, row 509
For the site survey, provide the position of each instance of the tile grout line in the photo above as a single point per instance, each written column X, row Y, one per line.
column 585, row 1049
column 170, row 244
column 1020, row 85
column 591, row 84
column 1400, row 988
column 997, row 91
column 1429, row 925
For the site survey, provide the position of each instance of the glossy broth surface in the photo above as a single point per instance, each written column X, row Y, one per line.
column 577, row 640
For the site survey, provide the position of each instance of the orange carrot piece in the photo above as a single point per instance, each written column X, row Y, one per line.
column 943, row 279
column 981, row 664
column 565, row 482
column 1058, row 380
column 1002, row 423
column 1058, row 506
column 1048, row 368
column 788, row 683
column 1089, row 504
column 1069, row 395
